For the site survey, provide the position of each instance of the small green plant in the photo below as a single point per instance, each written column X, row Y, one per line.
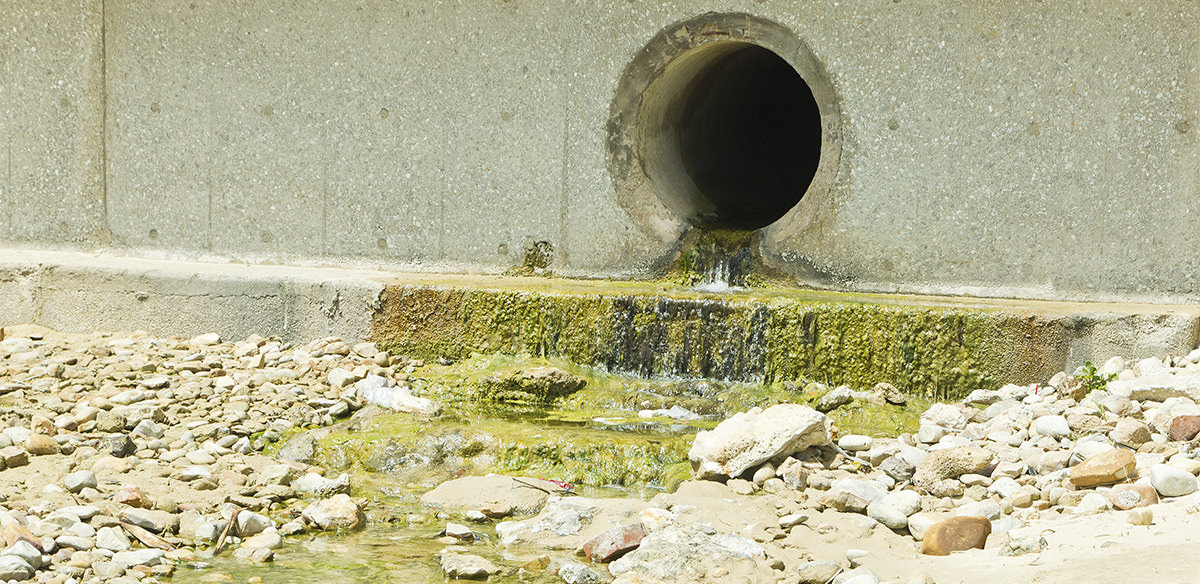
column 1092, row 379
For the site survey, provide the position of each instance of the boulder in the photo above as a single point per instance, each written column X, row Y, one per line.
column 749, row 439
column 1106, row 468
column 1172, row 482
column 513, row 494
column 335, row 513
column 1159, row 387
column 956, row 534
column 1183, row 428
column 950, row 463
column 466, row 566
column 535, row 385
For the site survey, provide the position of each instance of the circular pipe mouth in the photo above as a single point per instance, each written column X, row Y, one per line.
column 729, row 134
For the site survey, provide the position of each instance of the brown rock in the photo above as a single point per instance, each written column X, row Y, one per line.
column 497, row 510
column 1184, row 428
column 14, row 532
column 1105, row 468
column 1146, row 495
column 1131, row 432
column 615, row 542
column 40, row 445
column 14, row 456
column 956, row 534
column 890, row 394
column 950, row 463
column 132, row 496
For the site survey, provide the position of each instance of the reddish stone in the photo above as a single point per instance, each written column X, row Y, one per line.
column 1184, row 428
column 15, row 532
column 615, row 542
column 956, row 534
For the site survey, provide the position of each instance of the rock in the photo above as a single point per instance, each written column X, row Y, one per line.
column 151, row 519
column 615, row 542
column 750, row 438
column 1131, row 432
column 381, row 392
column 1022, row 544
column 560, row 517
column 268, row 540
column 148, row 429
column 680, row 554
column 74, row 542
column 1157, row 387
column 890, row 394
column 1092, row 503
column 80, row 480
column 535, row 385
column 14, row 568
column 340, row 378
column 1140, row 516
column 276, row 474
column 763, row 474
column 140, row 557
column 249, row 524
column 112, row 539
column 1105, row 468
column 118, row 445
column 467, row 567
column 1053, row 426
column 14, row 456
column 896, row 467
column 26, row 551
column 41, row 445
column 852, row 495
column 577, row 573
column 818, row 572
column 889, row 516
column 337, row 512
column 299, row 448
column 854, row 442
column 930, row 433
column 956, row 534
column 1172, row 482
column 318, row 485
column 950, row 463
column 1183, row 428
column 945, row 415
column 1131, row 495
column 492, row 491
column 837, row 398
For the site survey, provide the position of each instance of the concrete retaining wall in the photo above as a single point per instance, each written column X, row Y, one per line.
column 1025, row 148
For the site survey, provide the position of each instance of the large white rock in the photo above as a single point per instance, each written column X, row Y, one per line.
column 1172, row 482
column 750, row 438
column 945, row 415
column 1157, row 387
column 1052, row 426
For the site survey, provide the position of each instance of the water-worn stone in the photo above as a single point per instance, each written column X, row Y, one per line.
column 112, row 539
column 947, row 416
column 1131, row 495
column 750, row 438
column 1140, row 516
column 14, row 568
column 897, row 468
column 615, row 542
column 956, row 534
column 818, row 572
column 950, row 463
column 1184, row 428
column 536, row 385
column 337, row 512
column 466, row 566
column 476, row 492
column 1131, row 432
column 1172, row 482
column 41, row 445
column 577, row 573
column 140, row 557
column 681, row 554
column 1106, row 468
column 852, row 495
column 384, row 393
column 838, row 397
column 249, row 523
column 1052, row 426
column 14, row 456
column 80, row 480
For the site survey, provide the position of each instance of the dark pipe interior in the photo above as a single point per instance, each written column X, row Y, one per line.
column 749, row 138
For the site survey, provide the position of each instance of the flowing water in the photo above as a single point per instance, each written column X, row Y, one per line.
column 621, row 436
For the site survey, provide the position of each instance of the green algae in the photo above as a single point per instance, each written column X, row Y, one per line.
column 936, row 352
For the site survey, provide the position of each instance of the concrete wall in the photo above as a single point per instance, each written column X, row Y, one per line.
column 1026, row 148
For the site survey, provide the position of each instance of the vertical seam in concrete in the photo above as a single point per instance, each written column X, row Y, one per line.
column 104, row 117
column 564, row 228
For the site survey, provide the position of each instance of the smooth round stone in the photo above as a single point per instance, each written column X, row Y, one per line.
column 887, row 515
column 1140, row 516
column 1172, row 482
column 855, row 442
column 1052, row 426
column 1092, row 503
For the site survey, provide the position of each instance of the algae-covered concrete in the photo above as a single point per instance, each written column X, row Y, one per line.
column 939, row 349
column 1026, row 148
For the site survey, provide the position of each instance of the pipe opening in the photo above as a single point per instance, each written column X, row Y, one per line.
column 730, row 135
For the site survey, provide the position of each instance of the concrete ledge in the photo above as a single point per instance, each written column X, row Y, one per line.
column 941, row 346
column 78, row 292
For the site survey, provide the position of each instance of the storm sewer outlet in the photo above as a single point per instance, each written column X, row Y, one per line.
column 730, row 135
column 725, row 121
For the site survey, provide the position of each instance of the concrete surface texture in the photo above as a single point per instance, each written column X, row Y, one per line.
column 1029, row 149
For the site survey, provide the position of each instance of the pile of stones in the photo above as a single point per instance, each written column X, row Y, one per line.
column 122, row 456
